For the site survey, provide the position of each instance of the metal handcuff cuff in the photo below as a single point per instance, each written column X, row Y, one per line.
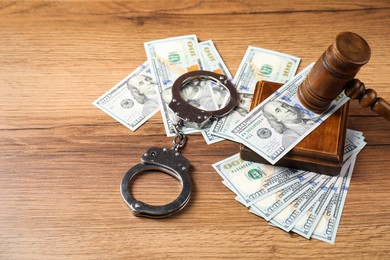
column 170, row 161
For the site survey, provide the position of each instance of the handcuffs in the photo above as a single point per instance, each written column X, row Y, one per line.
column 170, row 161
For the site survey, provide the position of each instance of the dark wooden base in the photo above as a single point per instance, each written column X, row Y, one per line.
column 321, row 151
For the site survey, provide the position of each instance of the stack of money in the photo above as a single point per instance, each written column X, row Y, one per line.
column 307, row 203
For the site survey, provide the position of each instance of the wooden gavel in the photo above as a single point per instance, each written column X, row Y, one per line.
column 335, row 71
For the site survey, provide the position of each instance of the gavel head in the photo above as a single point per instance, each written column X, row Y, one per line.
column 329, row 75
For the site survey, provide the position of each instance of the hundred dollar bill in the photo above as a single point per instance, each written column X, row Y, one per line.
column 133, row 100
column 169, row 59
column 233, row 189
column 246, row 178
column 326, row 229
column 307, row 222
column 355, row 133
column 353, row 144
column 271, row 185
column 275, row 126
column 278, row 182
column 213, row 62
column 271, row 205
column 258, row 64
column 287, row 218
column 261, row 64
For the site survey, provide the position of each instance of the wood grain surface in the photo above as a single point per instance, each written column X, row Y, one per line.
column 62, row 159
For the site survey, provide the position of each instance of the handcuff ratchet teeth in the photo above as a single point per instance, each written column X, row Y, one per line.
column 170, row 161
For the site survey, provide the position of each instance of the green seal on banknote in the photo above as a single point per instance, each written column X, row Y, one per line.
column 254, row 174
column 174, row 57
column 266, row 69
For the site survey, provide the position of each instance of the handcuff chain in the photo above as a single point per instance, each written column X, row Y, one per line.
column 180, row 138
column 169, row 160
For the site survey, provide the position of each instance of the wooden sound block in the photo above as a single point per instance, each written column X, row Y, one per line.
column 322, row 151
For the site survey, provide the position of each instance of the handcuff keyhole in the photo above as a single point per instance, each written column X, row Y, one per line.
column 153, row 154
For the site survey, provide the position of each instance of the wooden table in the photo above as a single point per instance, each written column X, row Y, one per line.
column 62, row 159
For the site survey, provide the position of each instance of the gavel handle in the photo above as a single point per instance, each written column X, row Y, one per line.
column 355, row 89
